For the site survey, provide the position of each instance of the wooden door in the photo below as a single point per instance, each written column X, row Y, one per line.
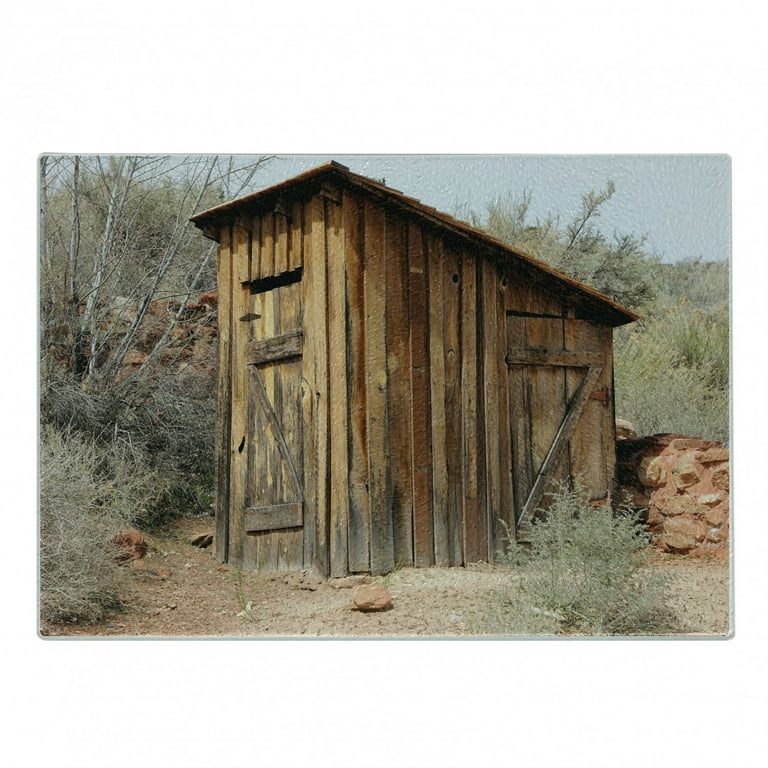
column 549, row 388
column 273, row 513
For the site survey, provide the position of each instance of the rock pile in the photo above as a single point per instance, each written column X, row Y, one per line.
column 683, row 483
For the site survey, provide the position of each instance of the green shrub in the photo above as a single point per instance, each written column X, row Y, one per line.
column 88, row 493
column 672, row 373
column 582, row 574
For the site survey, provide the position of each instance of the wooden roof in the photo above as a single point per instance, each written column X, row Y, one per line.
column 604, row 308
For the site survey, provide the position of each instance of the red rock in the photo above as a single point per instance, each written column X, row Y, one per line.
column 676, row 505
column 636, row 498
column 716, row 516
column 680, row 444
column 721, row 477
column 129, row 545
column 651, row 472
column 371, row 597
column 682, row 534
column 713, row 455
column 686, row 471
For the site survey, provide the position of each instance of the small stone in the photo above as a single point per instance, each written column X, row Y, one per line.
column 202, row 540
column 683, row 533
column 713, row 455
column 129, row 545
column 686, row 471
column 371, row 597
column 681, row 444
column 624, row 429
column 716, row 516
column 721, row 477
column 670, row 506
column 651, row 472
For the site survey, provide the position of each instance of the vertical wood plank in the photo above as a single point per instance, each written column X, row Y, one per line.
column 337, row 366
column 359, row 503
column 267, row 249
column 453, row 402
column 437, row 398
column 316, row 552
column 255, row 272
column 239, row 443
column 223, row 396
column 257, row 435
column 492, row 327
column 382, row 545
column 399, row 391
column 475, row 530
column 243, row 235
column 296, row 245
column 592, row 447
column 519, row 415
column 423, row 539
column 281, row 243
column 548, row 394
column 506, row 492
column 271, row 465
column 290, row 540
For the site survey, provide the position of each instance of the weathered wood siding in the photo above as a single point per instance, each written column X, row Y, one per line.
column 557, row 348
column 366, row 403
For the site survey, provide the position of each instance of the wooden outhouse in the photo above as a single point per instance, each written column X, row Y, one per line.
column 395, row 386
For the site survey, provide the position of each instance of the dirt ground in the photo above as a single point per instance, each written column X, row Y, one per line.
column 179, row 590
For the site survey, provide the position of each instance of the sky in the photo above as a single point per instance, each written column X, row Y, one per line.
column 680, row 203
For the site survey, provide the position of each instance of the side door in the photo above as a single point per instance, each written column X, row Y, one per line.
column 274, row 493
column 554, row 366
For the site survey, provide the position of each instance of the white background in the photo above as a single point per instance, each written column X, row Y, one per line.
column 349, row 77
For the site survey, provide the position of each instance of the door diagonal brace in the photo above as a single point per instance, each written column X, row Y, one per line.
column 274, row 422
column 564, row 433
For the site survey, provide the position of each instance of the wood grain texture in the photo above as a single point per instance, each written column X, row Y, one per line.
column 273, row 517
column 592, row 449
column 399, row 391
column 239, row 439
column 549, row 467
column 382, row 544
column 437, row 371
column 273, row 349
column 359, row 501
column 296, row 236
column 255, row 261
column 290, row 544
column 421, row 415
column 281, row 243
column 317, row 468
column 475, row 532
column 223, row 396
column 492, row 401
column 337, row 367
column 453, row 402
column 267, row 246
column 562, row 358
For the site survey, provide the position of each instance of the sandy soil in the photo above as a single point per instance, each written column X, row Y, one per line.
column 179, row 590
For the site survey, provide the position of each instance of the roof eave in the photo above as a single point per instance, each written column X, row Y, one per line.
column 210, row 221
